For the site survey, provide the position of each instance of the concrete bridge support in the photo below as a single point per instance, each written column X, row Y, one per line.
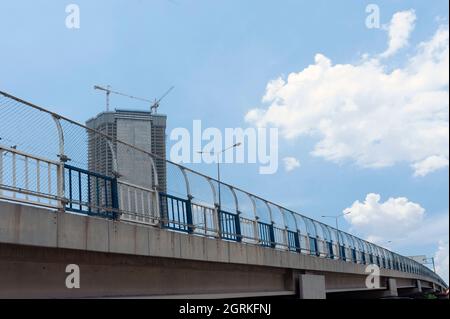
column 392, row 288
column 312, row 287
column 411, row 291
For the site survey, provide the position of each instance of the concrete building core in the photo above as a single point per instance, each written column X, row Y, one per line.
column 139, row 128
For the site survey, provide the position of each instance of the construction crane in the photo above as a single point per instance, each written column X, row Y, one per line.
column 154, row 104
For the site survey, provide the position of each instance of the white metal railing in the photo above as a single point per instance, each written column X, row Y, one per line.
column 204, row 220
column 322, row 247
column 138, row 204
column 304, row 243
column 335, row 250
column 348, row 254
column 280, row 237
column 30, row 179
column 249, row 230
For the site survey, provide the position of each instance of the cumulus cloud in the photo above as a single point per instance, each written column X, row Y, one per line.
column 441, row 260
column 431, row 230
column 365, row 112
column 430, row 164
column 290, row 163
column 401, row 222
column 399, row 30
column 384, row 220
column 412, row 227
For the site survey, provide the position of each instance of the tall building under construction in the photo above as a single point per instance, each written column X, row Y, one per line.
column 143, row 129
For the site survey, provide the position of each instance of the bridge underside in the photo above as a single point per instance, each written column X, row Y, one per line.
column 39, row 272
column 31, row 272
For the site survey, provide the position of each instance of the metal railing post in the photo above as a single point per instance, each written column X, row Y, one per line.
column 163, row 210
column 216, row 221
column 298, row 246
column 237, row 220
column 156, row 207
column 256, row 229
column 286, row 240
column 115, row 199
column 189, row 215
column 272, row 236
column 62, row 201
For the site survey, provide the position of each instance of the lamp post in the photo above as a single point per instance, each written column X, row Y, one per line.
column 218, row 166
column 427, row 261
column 336, row 217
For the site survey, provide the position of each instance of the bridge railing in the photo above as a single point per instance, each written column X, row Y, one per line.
column 138, row 204
column 30, row 179
column 90, row 193
column 49, row 160
column 249, row 230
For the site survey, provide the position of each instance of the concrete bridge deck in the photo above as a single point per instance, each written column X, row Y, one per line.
column 120, row 259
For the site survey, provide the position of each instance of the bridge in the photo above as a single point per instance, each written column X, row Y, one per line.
column 70, row 194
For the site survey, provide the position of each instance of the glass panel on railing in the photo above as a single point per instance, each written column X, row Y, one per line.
column 277, row 216
column 290, row 220
column 262, row 211
column 201, row 190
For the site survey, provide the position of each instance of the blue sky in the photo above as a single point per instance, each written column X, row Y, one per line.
column 220, row 56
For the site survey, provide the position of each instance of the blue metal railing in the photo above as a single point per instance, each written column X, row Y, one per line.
column 90, row 193
column 176, row 213
column 342, row 252
column 266, row 234
column 229, row 225
column 354, row 255
column 330, row 249
column 293, row 241
column 363, row 257
column 313, row 249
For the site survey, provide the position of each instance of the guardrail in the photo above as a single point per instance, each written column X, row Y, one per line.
column 30, row 179
column 138, row 204
column 93, row 184
column 90, row 193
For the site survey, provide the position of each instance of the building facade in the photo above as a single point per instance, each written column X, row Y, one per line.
column 139, row 128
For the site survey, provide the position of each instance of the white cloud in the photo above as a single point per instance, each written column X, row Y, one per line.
column 441, row 260
column 365, row 113
column 290, row 163
column 431, row 230
column 404, row 224
column 383, row 221
column 430, row 164
column 399, row 30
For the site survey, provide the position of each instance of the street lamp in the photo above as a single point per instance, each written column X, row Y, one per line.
column 336, row 217
column 218, row 165
column 427, row 261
